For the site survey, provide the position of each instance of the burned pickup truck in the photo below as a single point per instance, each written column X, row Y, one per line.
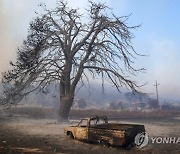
column 98, row 130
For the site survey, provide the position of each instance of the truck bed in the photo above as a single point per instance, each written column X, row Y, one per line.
column 122, row 134
column 114, row 126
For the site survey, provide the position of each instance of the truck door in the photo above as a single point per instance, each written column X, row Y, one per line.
column 82, row 130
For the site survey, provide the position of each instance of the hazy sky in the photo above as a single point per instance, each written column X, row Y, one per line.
column 158, row 37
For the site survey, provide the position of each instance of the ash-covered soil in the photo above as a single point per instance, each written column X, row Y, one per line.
column 32, row 134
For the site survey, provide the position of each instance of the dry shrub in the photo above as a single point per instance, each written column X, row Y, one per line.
column 123, row 114
column 46, row 112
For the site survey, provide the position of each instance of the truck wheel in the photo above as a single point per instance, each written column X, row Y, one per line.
column 71, row 135
column 104, row 143
column 128, row 146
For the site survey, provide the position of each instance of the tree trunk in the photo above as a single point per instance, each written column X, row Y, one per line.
column 65, row 106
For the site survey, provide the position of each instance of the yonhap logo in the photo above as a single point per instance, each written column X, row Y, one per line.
column 141, row 140
column 165, row 140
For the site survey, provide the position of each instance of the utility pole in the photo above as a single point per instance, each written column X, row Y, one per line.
column 156, row 85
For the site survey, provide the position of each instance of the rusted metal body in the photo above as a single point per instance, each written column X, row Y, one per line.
column 97, row 129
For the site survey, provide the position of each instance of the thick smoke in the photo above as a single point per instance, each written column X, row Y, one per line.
column 14, row 21
column 7, row 43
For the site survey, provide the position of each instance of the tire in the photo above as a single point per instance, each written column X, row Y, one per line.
column 71, row 135
column 105, row 143
column 128, row 146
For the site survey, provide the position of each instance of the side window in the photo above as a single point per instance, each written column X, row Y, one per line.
column 98, row 121
column 93, row 122
column 83, row 122
column 101, row 121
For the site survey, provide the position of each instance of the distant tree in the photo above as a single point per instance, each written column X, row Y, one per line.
column 112, row 105
column 120, row 105
column 116, row 105
column 153, row 103
column 136, row 97
column 62, row 45
column 82, row 103
column 129, row 96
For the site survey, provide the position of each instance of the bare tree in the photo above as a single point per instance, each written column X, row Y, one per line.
column 64, row 46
